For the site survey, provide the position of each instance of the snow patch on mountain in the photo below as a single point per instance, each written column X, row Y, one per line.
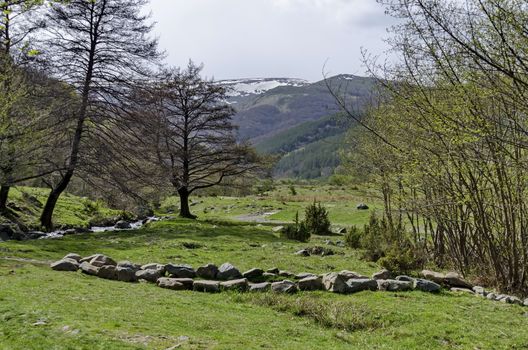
column 257, row 86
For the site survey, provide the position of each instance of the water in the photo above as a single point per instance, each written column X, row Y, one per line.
column 133, row 226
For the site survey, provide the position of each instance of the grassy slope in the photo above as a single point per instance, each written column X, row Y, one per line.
column 104, row 314
column 70, row 210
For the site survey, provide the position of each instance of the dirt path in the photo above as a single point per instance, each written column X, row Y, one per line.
column 259, row 218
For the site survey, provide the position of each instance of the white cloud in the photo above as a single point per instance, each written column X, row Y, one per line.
column 263, row 38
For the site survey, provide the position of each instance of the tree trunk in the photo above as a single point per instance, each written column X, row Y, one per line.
column 185, row 212
column 4, row 195
column 47, row 213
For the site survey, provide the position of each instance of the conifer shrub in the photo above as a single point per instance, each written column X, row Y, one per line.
column 316, row 219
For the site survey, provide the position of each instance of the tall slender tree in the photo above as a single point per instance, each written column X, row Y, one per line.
column 100, row 47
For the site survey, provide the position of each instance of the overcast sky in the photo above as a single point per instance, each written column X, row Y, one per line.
column 270, row 38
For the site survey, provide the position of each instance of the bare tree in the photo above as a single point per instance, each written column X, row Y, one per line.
column 99, row 47
column 187, row 125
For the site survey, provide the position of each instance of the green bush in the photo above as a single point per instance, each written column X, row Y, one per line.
column 316, row 219
column 296, row 231
column 353, row 238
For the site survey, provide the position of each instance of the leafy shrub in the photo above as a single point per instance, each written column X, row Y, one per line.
column 316, row 219
column 389, row 246
column 353, row 238
column 296, row 231
column 293, row 191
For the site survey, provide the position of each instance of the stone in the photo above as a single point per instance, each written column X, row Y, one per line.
column 180, row 271
column 101, row 260
column 88, row 258
column 123, row 225
column 351, row 275
column 359, row 285
column 284, row 287
column 304, row 275
column 269, row 275
column 108, row 272
column 187, row 282
column 426, row 286
column 491, row 296
column 253, row 274
column 461, row 290
column 260, row 287
column 65, row 265
column 480, row 291
column 436, row 277
column 454, row 280
column 129, row 265
column 284, row 273
column 516, row 301
column 525, row 302
column 322, row 251
column 278, row 229
column 150, row 275
column 170, row 283
column 69, row 232
column 394, row 285
column 126, row 274
column 334, row 282
column 311, row 283
column 382, row 275
column 362, row 206
column 208, row 271
column 240, row 285
column 73, row 256
column 405, row 278
column 206, row 286
column 89, row 269
column 228, row 272
column 302, row 252
column 154, row 266
column 274, row 270
column 10, row 231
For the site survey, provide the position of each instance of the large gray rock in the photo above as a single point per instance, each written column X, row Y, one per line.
column 405, row 278
column 73, row 256
column 65, row 265
column 228, row 272
column 436, row 277
column 253, row 274
column 273, row 270
column 454, row 280
column 154, row 266
column 129, row 265
column 260, row 287
column 284, row 273
column 284, row 287
column 311, row 283
column 170, row 283
column 304, row 275
column 150, row 275
column 351, row 274
column 208, row 271
column 187, row 282
column 302, row 252
column 382, row 275
column 269, row 275
column 359, row 285
column 240, row 285
column 126, row 274
column 89, row 269
column 491, row 296
column 525, row 302
column 394, row 285
column 335, row 282
column 180, row 271
column 206, row 286
column 102, row 260
column 108, row 272
column 426, row 286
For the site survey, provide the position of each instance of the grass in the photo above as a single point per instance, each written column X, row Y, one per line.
column 43, row 309
column 82, row 312
column 341, row 203
column 71, row 211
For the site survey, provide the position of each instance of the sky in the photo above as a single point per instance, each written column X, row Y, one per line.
column 271, row 38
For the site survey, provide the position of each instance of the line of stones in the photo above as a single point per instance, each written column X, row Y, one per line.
column 227, row 277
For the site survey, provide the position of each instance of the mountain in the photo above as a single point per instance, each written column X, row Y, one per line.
column 285, row 116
